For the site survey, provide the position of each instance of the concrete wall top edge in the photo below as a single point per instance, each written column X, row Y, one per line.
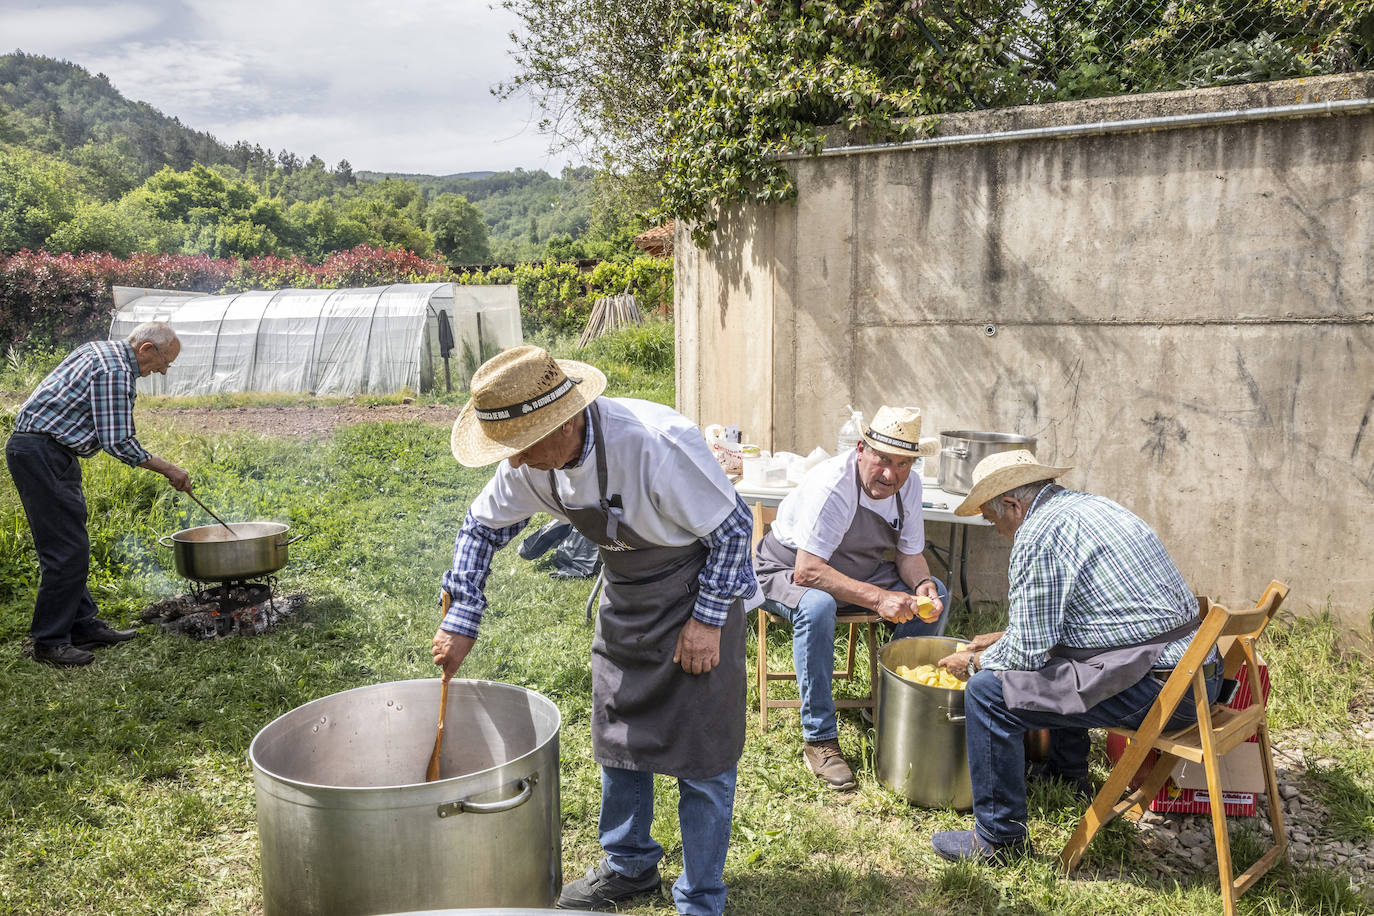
column 1133, row 107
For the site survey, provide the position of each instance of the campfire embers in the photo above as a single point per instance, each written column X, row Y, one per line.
column 232, row 608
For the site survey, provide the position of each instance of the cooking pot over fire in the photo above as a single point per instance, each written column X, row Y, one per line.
column 209, row 553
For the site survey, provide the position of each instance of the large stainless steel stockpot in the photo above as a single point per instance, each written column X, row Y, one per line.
column 921, row 753
column 349, row 826
column 962, row 449
column 212, row 554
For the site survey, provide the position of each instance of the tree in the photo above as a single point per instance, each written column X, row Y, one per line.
column 595, row 68
column 458, row 230
column 36, row 196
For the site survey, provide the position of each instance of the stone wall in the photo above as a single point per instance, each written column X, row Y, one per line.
column 1181, row 313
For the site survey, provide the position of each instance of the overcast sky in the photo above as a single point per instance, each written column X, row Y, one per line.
column 389, row 85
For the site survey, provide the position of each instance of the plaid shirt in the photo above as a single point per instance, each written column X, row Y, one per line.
column 1087, row 573
column 87, row 402
column 727, row 575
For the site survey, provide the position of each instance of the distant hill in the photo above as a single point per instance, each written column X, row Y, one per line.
column 59, row 109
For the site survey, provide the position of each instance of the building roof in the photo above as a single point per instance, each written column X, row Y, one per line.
column 657, row 241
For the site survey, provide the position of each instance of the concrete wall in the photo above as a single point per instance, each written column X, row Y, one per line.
column 1184, row 315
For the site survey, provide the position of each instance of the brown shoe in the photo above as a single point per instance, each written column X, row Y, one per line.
column 825, row 760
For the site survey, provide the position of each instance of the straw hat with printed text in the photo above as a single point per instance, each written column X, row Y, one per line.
column 519, row 396
column 897, row 431
column 1003, row 471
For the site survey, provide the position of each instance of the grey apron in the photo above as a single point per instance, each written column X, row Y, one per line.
column 860, row 555
column 1075, row 680
column 647, row 713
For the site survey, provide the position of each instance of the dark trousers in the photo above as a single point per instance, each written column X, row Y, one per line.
column 48, row 478
column 995, row 735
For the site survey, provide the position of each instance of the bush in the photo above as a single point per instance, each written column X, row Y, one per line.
column 66, row 298
column 648, row 347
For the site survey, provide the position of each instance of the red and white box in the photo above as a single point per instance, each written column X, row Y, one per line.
column 1242, row 771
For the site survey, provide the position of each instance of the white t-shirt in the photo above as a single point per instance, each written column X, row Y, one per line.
column 815, row 516
column 672, row 488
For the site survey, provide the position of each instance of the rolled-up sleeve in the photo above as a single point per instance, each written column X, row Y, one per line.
column 112, row 410
column 728, row 573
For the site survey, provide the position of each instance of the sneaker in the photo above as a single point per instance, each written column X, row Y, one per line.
column 603, row 887
column 63, row 656
column 823, row 758
column 967, row 845
column 99, row 634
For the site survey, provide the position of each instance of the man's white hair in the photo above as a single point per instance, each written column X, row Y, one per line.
column 157, row 333
column 1024, row 494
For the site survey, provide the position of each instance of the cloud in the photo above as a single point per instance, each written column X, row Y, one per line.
column 400, row 85
column 69, row 28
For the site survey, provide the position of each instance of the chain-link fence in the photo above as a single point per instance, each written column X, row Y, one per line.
column 1047, row 50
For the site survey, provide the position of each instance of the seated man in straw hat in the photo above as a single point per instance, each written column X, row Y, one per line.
column 826, row 551
column 668, row 671
column 1097, row 616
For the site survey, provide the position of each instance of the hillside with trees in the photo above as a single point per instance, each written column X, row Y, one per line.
column 84, row 169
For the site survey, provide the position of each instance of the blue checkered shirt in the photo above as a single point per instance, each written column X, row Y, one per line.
column 727, row 575
column 87, row 402
column 1087, row 573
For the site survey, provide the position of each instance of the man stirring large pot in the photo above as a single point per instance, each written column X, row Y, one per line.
column 668, row 660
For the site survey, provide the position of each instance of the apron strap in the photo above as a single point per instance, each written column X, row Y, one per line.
column 612, row 505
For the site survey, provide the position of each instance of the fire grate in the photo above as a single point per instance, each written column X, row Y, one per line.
column 228, row 609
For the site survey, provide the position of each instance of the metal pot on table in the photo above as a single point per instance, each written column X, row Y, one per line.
column 962, row 449
column 210, row 553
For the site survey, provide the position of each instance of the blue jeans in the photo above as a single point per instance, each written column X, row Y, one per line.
column 813, row 652
column 995, row 736
column 704, row 810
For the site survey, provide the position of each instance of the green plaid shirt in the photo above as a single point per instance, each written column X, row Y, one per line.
column 1087, row 573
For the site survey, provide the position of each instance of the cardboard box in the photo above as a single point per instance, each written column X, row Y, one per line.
column 1242, row 771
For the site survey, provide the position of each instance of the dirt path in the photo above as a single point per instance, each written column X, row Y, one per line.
column 306, row 422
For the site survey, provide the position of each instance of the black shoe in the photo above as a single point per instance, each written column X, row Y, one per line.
column 63, row 656
column 967, row 845
column 604, row 887
column 99, row 634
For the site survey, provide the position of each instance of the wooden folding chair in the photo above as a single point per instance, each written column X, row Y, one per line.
column 1219, row 729
column 852, row 617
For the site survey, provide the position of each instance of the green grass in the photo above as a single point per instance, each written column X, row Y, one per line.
column 127, row 788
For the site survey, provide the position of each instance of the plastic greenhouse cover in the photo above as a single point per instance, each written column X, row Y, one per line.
column 329, row 342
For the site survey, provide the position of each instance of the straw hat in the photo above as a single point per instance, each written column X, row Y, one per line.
column 897, row 431
column 519, row 396
column 1003, row 471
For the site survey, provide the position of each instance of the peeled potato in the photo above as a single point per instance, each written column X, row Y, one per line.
column 925, row 608
column 930, row 676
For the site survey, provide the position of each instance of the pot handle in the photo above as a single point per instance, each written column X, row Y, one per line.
column 299, row 537
column 459, row 807
column 949, row 714
column 954, row 451
column 166, row 541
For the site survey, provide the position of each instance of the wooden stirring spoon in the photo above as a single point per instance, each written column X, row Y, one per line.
column 432, row 771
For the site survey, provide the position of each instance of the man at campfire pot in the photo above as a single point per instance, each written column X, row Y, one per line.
column 84, row 405
column 1098, row 614
column 828, row 550
column 668, row 665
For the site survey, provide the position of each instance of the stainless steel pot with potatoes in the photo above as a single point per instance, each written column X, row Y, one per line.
column 921, row 753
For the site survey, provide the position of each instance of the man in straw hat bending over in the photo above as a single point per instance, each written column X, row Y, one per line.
column 825, row 551
column 668, row 672
column 1097, row 616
